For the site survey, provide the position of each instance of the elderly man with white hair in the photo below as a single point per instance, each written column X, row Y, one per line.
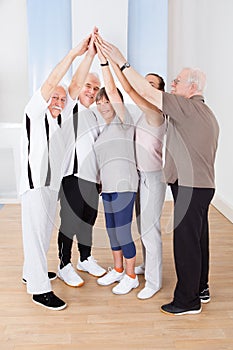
column 46, row 131
column 192, row 138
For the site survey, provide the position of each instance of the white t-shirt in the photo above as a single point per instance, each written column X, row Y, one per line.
column 87, row 133
column 42, row 159
column 115, row 155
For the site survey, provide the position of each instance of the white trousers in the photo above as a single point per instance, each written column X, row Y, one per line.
column 152, row 195
column 38, row 208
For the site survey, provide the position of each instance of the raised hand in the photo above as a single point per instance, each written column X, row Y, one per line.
column 92, row 48
column 101, row 56
column 112, row 52
column 82, row 46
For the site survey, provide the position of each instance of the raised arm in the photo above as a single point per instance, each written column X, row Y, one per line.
column 61, row 68
column 110, row 85
column 138, row 82
column 153, row 114
column 80, row 75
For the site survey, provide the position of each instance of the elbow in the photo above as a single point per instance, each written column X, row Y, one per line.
column 74, row 88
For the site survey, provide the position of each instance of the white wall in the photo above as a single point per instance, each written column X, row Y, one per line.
column 13, row 60
column 200, row 35
column 13, row 92
column 110, row 17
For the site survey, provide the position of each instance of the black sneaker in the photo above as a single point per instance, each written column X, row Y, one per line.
column 52, row 276
column 49, row 300
column 171, row 309
column 205, row 296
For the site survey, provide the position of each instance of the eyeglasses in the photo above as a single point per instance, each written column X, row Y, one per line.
column 176, row 81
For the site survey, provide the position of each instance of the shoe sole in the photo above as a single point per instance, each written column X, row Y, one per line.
column 117, row 293
column 145, row 298
column 190, row 312
column 109, row 284
column 49, row 307
column 91, row 273
column 70, row 285
column 203, row 301
column 53, row 278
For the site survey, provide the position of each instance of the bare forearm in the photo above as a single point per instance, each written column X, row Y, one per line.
column 80, row 75
column 138, row 82
column 143, row 87
column 61, row 68
column 56, row 75
column 109, row 84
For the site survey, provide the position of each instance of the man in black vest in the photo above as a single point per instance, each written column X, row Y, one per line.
column 79, row 195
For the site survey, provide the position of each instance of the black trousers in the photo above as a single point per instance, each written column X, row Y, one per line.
column 191, row 242
column 79, row 204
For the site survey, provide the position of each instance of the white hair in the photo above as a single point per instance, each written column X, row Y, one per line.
column 64, row 86
column 197, row 77
column 95, row 74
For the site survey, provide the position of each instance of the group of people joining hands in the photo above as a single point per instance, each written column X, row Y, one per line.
column 67, row 154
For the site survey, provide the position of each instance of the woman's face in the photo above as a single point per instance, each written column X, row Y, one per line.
column 105, row 109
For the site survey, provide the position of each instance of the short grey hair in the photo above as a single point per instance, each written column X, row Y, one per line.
column 197, row 77
column 64, row 86
column 95, row 75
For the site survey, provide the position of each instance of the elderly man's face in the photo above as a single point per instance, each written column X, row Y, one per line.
column 89, row 91
column 181, row 86
column 58, row 101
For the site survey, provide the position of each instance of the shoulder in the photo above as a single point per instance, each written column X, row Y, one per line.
column 36, row 105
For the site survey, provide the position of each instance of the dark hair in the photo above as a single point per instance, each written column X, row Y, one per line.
column 102, row 93
column 161, row 81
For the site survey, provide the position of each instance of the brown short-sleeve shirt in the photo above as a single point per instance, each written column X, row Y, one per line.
column 192, row 139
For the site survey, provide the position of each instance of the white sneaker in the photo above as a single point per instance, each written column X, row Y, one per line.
column 111, row 277
column 90, row 265
column 70, row 276
column 146, row 293
column 139, row 270
column 126, row 284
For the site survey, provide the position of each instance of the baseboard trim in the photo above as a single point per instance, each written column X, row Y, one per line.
column 6, row 200
column 221, row 205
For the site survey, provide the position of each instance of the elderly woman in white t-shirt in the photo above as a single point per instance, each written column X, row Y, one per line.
column 115, row 155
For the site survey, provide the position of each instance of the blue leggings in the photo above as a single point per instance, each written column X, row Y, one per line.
column 118, row 207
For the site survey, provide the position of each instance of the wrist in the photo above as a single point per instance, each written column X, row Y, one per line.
column 125, row 65
column 90, row 54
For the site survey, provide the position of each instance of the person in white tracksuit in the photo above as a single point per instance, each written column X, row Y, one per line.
column 46, row 134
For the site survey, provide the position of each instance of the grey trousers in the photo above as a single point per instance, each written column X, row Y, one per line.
column 148, row 211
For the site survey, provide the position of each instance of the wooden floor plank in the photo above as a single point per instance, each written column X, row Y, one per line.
column 96, row 318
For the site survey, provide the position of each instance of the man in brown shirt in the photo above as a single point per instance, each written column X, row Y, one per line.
column 189, row 169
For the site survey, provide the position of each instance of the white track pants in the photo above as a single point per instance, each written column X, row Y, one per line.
column 38, row 215
column 152, row 194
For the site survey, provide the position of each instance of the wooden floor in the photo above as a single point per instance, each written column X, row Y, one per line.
column 96, row 318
